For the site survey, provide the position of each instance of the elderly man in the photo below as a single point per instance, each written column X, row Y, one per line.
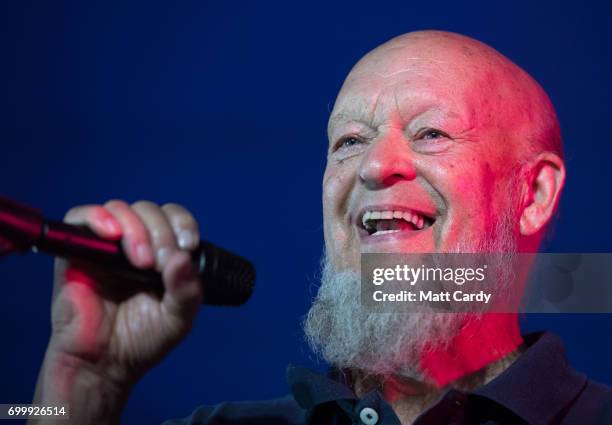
column 444, row 145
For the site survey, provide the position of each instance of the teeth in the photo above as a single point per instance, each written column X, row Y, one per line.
column 366, row 217
column 369, row 216
column 384, row 232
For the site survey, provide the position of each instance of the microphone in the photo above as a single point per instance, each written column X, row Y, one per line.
column 228, row 279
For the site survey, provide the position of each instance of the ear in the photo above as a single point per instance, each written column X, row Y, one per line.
column 543, row 182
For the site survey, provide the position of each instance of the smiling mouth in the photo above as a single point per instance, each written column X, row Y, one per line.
column 382, row 222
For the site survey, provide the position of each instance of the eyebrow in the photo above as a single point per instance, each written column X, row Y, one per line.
column 334, row 119
column 343, row 117
column 348, row 117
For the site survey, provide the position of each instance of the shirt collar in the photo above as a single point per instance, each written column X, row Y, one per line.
column 537, row 387
column 313, row 392
column 311, row 388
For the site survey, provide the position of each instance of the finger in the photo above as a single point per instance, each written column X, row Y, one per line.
column 161, row 235
column 184, row 225
column 97, row 218
column 183, row 292
column 135, row 240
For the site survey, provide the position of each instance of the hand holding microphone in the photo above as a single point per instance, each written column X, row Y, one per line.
column 151, row 237
column 229, row 278
column 107, row 331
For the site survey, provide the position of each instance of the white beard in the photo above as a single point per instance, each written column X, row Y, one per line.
column 345, row 335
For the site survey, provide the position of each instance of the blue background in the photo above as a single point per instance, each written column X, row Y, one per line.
column 223, row 107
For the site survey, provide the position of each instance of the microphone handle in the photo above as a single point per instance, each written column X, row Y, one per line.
column 228, row 279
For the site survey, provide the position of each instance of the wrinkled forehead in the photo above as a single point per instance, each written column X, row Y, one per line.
column 405, row 82
column 376, row 100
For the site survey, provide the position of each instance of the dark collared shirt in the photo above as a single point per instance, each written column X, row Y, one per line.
column 539, row 388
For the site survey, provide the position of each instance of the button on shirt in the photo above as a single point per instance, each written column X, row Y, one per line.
column 539, row 388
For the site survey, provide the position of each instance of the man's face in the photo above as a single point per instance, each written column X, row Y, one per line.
column 429, row 144
column 420, row 146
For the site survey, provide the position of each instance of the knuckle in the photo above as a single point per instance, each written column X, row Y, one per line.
column 80, row 212
column 136, row 228
column 179, row 215
column 72, row 212
column 116, row 204
column 144, row 205
column 173, row 208
column 161, row 236
column 190, row 223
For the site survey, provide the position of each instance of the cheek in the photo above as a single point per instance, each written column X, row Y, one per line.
column 336, row 190
column 331, row 185
column 467, row 177
column 467, row 189
column 480, row 182
column 337, row 184
column 484, row 189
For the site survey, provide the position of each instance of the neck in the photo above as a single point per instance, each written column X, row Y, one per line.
column 482, row 350
column 480, row 343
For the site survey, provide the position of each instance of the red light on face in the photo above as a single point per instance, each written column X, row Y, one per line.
column 482, row 341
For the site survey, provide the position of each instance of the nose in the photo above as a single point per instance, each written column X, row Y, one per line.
column 388, row 160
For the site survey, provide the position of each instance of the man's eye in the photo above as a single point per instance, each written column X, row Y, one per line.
column 431, row 134
column 348, row 142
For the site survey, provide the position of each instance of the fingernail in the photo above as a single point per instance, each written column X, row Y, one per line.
column 111, row 226
column 144, row 254
column 186, row 239
column 163, row 254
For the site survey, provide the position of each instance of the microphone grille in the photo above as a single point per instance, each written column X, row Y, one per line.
column 228, row 279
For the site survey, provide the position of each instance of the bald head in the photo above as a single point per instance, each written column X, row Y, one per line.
column 500, row 93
